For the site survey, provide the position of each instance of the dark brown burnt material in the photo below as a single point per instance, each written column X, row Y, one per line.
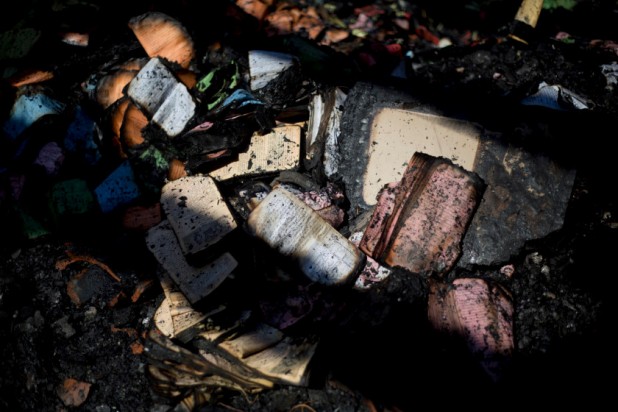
column 418, row 223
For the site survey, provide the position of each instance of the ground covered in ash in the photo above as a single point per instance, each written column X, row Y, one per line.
column 377, row 351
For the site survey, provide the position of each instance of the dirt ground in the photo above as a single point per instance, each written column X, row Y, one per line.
column 377, row 351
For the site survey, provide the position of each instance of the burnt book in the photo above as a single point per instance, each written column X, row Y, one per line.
column 419, row 223
column 293, row 229
column 480, row 315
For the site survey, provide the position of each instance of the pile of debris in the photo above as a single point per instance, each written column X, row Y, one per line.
column 275, row 205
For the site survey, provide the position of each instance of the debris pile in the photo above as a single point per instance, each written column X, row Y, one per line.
column 280, row 200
